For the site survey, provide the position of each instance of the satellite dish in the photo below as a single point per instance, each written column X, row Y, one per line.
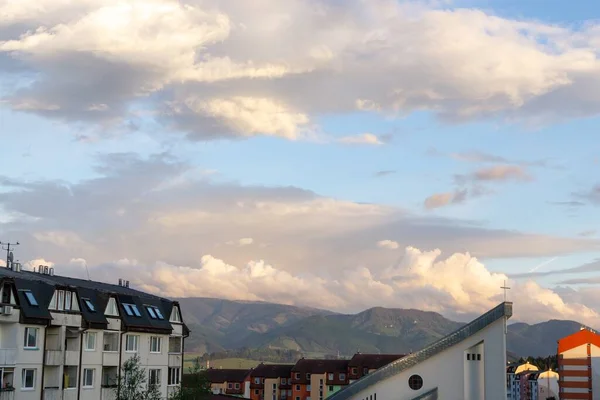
column 10, row 257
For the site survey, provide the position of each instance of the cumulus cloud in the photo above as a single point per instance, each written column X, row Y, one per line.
column 388, row 244
column 365, row 138
column 498, row 173
column 134, row 205
column 458, row 286
column 242, row 242
column 220, row 67
column 437, row 200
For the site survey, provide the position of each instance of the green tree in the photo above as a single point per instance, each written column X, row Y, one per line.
column 132, row 382
column 194, row 386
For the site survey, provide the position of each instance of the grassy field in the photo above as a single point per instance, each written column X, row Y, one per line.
column 226, row 363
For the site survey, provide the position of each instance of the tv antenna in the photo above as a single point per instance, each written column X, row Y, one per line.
column 9, row 254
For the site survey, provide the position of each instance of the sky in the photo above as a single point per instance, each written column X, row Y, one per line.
column 341, row 155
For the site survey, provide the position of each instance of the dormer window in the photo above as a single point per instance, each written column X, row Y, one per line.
column 64, row 300
column 30, row 298
column 131, row 310
column 175, row 317
column 111, row 308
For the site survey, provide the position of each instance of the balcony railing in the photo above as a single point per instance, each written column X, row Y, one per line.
column 8, row 356
column 504, row 310
column 51, row 394
column 7, row 394
column 54, row 357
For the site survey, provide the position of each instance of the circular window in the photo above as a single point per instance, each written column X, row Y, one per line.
column 415, row 382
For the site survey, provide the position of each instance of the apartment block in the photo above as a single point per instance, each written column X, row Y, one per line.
column 579, row 366
column 233, row 382
column 316, row 379
column 363, row 364
column 271, row 382
column 66, row 338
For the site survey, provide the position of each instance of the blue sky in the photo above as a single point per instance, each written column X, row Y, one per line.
column 510, row 135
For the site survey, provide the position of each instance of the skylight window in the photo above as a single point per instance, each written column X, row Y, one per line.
column 89, row 305
column 131, row 310
column 158, row 313
column 151, row 312
column 128, row 309
column 31, row 298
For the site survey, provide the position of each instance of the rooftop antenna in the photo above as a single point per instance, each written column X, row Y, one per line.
column 87, row 270
column 9, row 256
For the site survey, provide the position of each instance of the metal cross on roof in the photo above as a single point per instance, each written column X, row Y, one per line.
column 505, row 288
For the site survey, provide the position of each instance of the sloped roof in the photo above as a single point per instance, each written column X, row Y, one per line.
column 43, row 286
column 218, row 375
column 503, row 310
column 372, row 361
column 584, row 336
column 316, row 366
column 271, row 371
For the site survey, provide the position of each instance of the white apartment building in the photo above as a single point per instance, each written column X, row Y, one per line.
column 65, row 338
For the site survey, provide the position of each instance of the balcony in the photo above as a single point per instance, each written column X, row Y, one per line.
column 69, row 394
column 51, row 394
column 54, row 357
column 71, row 357
column 110, row 359
column 108, row 394
column 175, row 360
column 7, row 394
column 8, row 356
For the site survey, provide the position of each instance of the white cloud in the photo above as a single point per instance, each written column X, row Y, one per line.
column 365, row 138
column 270, row 72
column 242, row 242
column 458, row 286
column 388, row 244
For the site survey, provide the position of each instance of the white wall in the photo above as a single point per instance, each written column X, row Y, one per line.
column 595, row 372
column 446, row 370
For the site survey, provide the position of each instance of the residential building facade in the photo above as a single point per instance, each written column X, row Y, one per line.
column 66, row 338
column 232, row 382
column 271, row 382
column 579, row 366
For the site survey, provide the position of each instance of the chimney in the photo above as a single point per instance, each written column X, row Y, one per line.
column 126, row 284
column 45, row 270
column 52, row 271
column 16, row 267
column 40, row 269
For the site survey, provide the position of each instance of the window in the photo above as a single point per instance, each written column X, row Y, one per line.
column 52, row 305
column 274, row 386
column 155, row 344
column 151, row 312
column 131, row 343
column 307, row 376
column 128, row 310
column 330, row 389
column 478, row 357
column 6, row 294
column 257, row 381
column 89, row 305
column 365, row 371
column 468, row 356
column 154, row 377
column 297, row 376
column 342, row 377
column 68, row 298
column 111, row 341
column 28, row 379
column 90, row 341
column 158, row 313
column 30, row 298
column 88, row 378
column 174, row 376
column 74, row 303
column 111, row 308
column 415, row 382
column 230, row 385
column 330, row 377
column 30, row 338
column 255, row 391
column 297, row 387
column 60, row 300
column 237, row 385
column 175, row 317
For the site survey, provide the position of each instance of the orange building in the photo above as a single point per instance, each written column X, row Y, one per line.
column 579, row 366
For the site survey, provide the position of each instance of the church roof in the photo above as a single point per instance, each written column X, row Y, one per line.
column 503, row 310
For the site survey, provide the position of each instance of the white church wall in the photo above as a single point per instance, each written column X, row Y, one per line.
column 446, row 371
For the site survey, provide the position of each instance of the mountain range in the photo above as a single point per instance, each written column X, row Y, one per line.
column 218, row 325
